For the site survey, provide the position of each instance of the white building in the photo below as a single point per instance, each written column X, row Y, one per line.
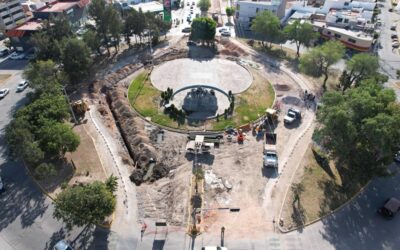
column 11, row 14
column 247, row 10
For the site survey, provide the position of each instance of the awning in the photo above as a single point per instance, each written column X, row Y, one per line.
column 15, row 33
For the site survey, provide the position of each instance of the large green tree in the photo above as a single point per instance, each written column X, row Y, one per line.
column 44, row 77
column 267, row 25
column 358, row 68
column 92, row 40
column 57, row 138
column 83, row 205
column 317, row 61
column 361, row 127
column 301, row 33
column 203, row 30
column 76, row 59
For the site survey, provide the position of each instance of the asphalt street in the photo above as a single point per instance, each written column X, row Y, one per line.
column 26, row 220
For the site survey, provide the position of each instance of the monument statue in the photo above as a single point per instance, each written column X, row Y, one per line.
column 200, row 100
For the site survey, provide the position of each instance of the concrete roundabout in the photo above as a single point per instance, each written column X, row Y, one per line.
column 220, row 73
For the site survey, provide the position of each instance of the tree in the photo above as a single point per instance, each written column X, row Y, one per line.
column 44, row 77
column 358, row 68
column 267, row 25
column 45, row 47
column 76, row 59
column 92, row 40
column 204, row 5
column 361, row 127
column 115, row 26
column 301, row 33
column 48, row 107
column 86, row 204
column 57, row 138
column 230, row 11
column 112, row 183
column 203, row 29
column 317, row 61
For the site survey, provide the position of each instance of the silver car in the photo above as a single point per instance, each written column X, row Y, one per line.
column 4, row 92
column 22, row 86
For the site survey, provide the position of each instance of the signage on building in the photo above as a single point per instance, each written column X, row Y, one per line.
column 167, row 10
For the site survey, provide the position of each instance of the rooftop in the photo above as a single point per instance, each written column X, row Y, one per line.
column 148, row 7
column 358, row 34
column 61, row 6
column 30, row 25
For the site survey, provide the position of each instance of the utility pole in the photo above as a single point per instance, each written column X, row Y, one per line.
column 222, row 236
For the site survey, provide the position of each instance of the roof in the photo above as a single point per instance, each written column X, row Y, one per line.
column 148, row 7
column 393, row 204
column 61, row 6
column 20, row 30
column 358, row 34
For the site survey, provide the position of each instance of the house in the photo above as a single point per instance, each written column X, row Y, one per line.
column 20, row 36
column 247, row 10
column 74, row 10
column 11, row 14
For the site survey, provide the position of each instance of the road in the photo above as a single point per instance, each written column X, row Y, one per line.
column 26, row 220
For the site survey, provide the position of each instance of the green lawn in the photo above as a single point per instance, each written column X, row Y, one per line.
column 248, row 105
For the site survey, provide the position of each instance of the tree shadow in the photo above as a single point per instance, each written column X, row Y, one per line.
column 270, row 173
column 323, row 162
column 298, row 216
column 10, row 64
column 21, row 198
column 57, row 236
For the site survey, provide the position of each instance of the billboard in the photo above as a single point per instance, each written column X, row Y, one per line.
column 167, row 10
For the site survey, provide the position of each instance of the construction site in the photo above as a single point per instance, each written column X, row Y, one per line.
column 196, row 180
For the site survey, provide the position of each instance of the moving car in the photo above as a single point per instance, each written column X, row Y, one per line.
column 62, row 245
column 225, row 33
column 3, row 93
column 291, row 116
column 17, row 56
column 390, row 208
column 396, row 157
column 22, row 85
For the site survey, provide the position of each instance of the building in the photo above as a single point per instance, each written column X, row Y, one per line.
column 247, row 10
column 20, row 36
column 74, row 10
column 11, row 13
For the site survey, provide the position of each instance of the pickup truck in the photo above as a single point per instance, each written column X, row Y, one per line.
column 270, row 155
column 292, row 116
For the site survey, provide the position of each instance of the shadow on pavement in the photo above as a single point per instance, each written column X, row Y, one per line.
column 21, row 198
column 10, row 64
column 57, row 236
column 359, row 226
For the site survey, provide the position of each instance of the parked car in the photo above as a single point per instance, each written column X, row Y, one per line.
column 4, row 52
column 186, row 30
column 62, row 245
column 390, row 208
column 395, row 44
column 393, row 27
column 213, row 248
column 30, row 56
column 22, row 85
column 191, row 43
column 394, row 36
column 223, row 29
column 225, row 33
column 270, row 158
column 4, row 92
column 17, row 56
column 291, row 116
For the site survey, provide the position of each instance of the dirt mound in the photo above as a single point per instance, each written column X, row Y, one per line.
column 292, row 100
column 232, row 48
column 229, row 53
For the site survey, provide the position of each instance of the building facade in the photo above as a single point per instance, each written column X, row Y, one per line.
column 246, row 10
column 11, row 14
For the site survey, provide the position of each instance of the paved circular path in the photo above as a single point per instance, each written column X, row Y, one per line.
column 224, row 74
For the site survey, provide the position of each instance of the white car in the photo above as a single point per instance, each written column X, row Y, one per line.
column 271, row 159
column 225, row 33
column 223, row 29
column 3, row 93
column 395, row 44
column 17, row 56
column 62, row 245
column 22, row 86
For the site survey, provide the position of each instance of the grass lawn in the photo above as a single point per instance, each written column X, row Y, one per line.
column 249, row 105
column 146, row 99
column 324, row 190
